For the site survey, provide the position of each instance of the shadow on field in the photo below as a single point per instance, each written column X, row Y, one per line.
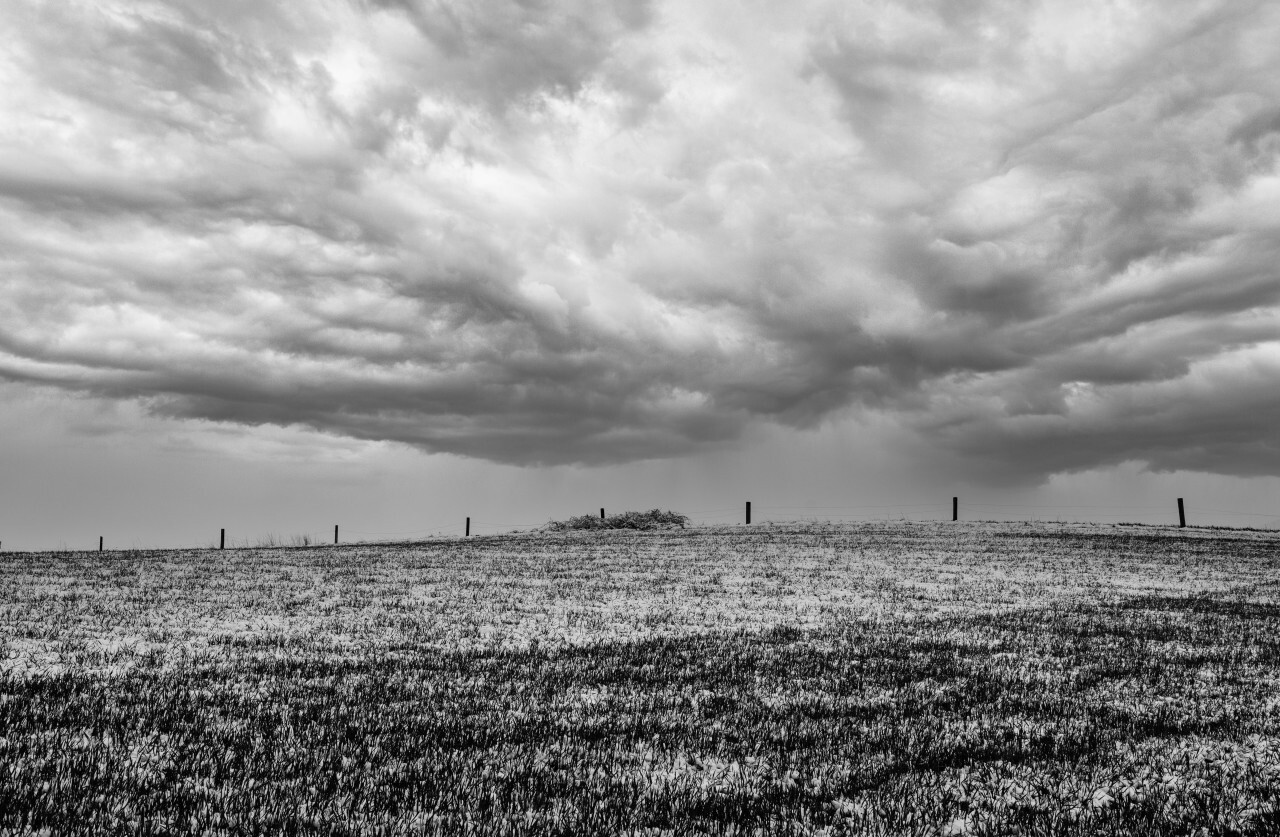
column 1233, row 608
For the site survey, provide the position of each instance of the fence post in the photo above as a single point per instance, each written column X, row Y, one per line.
column 748, row 512
column 222, row 539
column 99, row 543
column 955, row 508
column 468, row 527
column 335, row 534
column 1182, row 515
column 602, row 514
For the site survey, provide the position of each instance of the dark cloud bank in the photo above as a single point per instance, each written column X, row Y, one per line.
column 1044, row 236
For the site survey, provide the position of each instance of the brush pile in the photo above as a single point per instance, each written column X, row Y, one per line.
column 654, row 519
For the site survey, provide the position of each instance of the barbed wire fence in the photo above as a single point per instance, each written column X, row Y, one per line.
column 880, row 512
column 765, row 514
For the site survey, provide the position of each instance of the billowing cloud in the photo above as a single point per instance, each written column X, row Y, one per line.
column 1042, row 235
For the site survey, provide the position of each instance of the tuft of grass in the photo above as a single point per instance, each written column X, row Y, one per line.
column 273, row 541
column 649, row 520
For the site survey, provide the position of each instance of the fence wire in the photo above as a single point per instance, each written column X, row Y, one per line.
column 1165, row 514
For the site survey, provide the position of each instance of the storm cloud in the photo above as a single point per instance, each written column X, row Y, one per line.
column 1043, row 236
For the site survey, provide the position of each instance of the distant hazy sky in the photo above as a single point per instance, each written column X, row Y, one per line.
column 278, row 265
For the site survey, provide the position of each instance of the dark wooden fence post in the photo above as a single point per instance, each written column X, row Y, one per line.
column 955, row 508
column 468, row 527
column 1182, row 515
column 335, row 534
column 602, row 514
column 222, row 540
column 748, row 512
column 99, row 543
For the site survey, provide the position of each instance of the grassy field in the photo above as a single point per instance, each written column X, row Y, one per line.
column 811, row 679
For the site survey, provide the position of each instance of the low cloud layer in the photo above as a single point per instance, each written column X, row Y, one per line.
column 1043, row 236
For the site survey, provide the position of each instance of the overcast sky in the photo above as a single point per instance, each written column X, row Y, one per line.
column 274, row 266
